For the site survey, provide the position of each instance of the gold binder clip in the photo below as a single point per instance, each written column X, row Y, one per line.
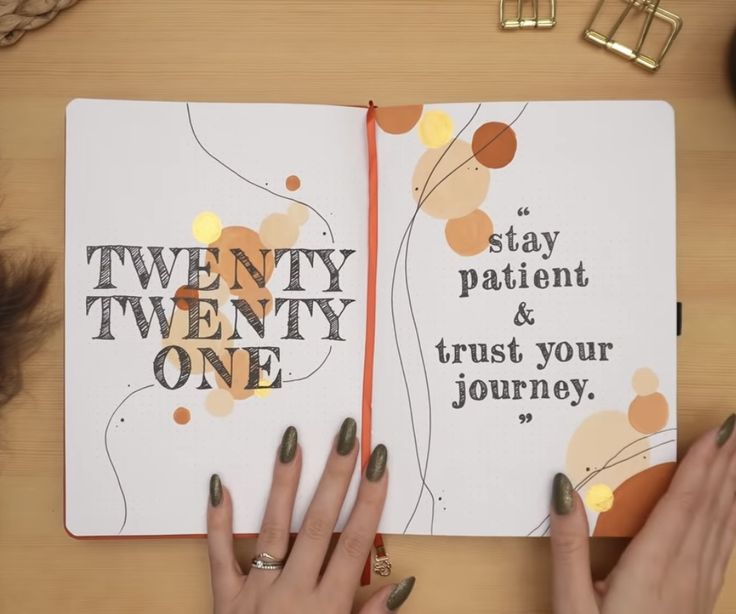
column 634, row 54
column 535, row 21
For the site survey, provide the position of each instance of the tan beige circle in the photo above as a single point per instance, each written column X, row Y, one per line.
column 219, row 402
column 457, row 186
column 279, row 230
column 298, row 213
column 645, row 381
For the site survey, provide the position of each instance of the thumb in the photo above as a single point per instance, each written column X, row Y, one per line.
column 226, row 575
column 572, row 585
column 389, row 598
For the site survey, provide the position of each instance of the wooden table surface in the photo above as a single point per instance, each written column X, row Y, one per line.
column 343, row 52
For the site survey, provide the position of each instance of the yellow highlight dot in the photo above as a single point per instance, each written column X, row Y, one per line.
column 599, row 498
column 435, row 128
column 262, row 393
column 207, row 227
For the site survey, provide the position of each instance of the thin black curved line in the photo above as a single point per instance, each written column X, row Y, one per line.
column 253, row 183
column 407, row 235
column 322, row 364
column 606, row 465
column 422, row 199
column 109, row 458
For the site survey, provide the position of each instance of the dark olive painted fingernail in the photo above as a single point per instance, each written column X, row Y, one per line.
column 287, row 452
column 400, row 594
column 215, row 490
column 562, row 494
column 346, row 437
column 377, row 463
column 726, row 430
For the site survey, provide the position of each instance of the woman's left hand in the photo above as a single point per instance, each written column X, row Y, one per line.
column 299, row 586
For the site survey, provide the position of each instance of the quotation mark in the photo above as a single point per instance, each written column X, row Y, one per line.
column 522, row 211
column 525, row 418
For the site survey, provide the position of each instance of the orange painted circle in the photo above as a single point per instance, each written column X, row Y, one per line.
column 182, row 415
column 494, row 144
column 293, row 183
column 648, row 414
column 398, row 120
column 183, row 293
column 634, row 500
column 469, row 235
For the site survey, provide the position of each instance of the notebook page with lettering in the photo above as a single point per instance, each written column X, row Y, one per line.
column 526, row 313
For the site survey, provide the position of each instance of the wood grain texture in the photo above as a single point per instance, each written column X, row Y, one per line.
column 344, row 52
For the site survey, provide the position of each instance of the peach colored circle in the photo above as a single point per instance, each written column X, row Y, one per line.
column 458, row 183
column 400, row 119
column 645, row 381
column 240, row 376
column 469, row 235
column 596, row 441
column 221, row 294
column 219, row 402
column 649, row 413
column 179, row 330
column 293, row 183
column 494, row 144
column 250, row 243
column 278, row 230
column 182, row 415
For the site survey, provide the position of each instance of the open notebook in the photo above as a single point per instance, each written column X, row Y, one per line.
column 219, row 289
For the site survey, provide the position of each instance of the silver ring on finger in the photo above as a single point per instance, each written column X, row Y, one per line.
column 267, row 562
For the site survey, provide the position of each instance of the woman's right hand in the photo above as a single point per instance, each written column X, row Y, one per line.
column 677, row 562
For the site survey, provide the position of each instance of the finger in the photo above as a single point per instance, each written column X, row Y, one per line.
column 697, row 544
column 354, row 545
column 308, row 554
column 572, row 584
column 726, row 486
column 227, row 577
column 722, row 486
column 727, row 546
column 389, row 598
column 661, row 537
column 276, row 526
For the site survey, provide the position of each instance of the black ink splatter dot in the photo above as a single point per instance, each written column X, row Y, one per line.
column 444, row 509
column 476, row 168
column 587, row 468
column 122, row 419
column 591, row 396
column 439, row 498
column 324, row 234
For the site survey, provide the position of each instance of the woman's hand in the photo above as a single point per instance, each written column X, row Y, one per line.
column 676, row 564
column 299, row 587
